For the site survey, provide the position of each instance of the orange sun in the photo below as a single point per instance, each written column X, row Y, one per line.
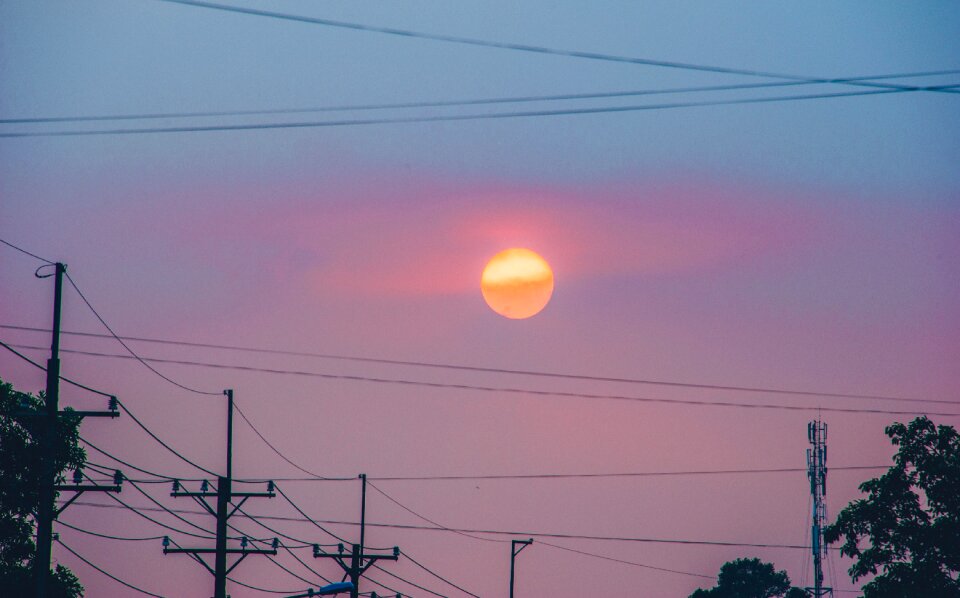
column 517, row 283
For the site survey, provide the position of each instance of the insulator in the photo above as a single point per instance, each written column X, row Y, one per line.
column 243, row 542
column 166, row 541
column 113, row 404
column 77, row 476
column 270, row 486
column 176, row 485
column 340, row 547
column 117, row 477
column 204, row 486
column 396, row 551
column 276, row 543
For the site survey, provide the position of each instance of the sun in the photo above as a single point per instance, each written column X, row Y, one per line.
column 517, row 283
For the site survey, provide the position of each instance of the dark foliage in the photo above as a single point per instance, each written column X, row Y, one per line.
column 907, row 530
column 750, row 578
column 20, row 428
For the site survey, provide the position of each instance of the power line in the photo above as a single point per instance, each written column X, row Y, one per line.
column 431, row 521
column 110, row 537
column 120, row 403
column 562, row 536
column 456, row 117
column 622, row 561
column 582, row 552
column 507, row 371
column 628, row 474
column 273, row 448
column 467, row 102
column 110, row 575
column 509, row 390
column 406, row 581
column 127, row 347
column 209, row 533
column 163, row 477
column 307, row 517
column 406, row 33
column 25, row 252
column 138, row 511
column 437, row 575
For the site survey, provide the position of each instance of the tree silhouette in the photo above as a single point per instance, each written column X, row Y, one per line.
column 19, row 490
column 750, row 578
column 910, row 518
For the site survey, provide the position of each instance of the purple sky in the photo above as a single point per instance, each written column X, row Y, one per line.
column 806, row 245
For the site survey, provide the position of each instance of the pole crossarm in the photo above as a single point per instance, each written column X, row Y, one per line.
column 359, row 562
column 225, row 508
column 80, row 489
column 47, row 441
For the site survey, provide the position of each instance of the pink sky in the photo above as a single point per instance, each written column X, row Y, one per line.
column 713, row 282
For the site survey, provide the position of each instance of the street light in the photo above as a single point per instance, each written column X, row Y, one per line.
column 514, row 551
column 328, row 590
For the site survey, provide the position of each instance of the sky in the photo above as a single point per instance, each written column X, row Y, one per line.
column 807, row 244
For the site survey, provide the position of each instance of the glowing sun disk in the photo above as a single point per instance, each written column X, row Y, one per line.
column 517, row 283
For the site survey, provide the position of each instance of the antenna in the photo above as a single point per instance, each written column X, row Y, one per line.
column 817, row 474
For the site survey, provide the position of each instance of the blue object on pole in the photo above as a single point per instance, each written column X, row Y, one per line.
column 335, row 588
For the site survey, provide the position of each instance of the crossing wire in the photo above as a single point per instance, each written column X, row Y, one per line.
column 507, row 371
column 468, row 102
column 460, row 117
column 562, row 536
column 510, row 390
column 126, row 410
column 407, row 33
column 540, row 541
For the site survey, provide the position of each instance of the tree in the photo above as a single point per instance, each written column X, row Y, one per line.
column 910, row 518
column 21, row 426
column 750, row 578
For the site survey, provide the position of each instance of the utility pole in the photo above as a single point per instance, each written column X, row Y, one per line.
column 817, row 474
column 47, row 511
column 359, row 561
column 224, row 494
column 514, row 551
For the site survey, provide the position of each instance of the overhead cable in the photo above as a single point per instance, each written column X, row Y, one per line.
column 459, row 103
column 562, row 536
column 407, row 33
column 511, row 390
column 493, row 370
column 110, row 575
column 119, row 403
column 127, row 347
column 353, row 122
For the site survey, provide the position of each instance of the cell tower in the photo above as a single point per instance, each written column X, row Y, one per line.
column 817, row 473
